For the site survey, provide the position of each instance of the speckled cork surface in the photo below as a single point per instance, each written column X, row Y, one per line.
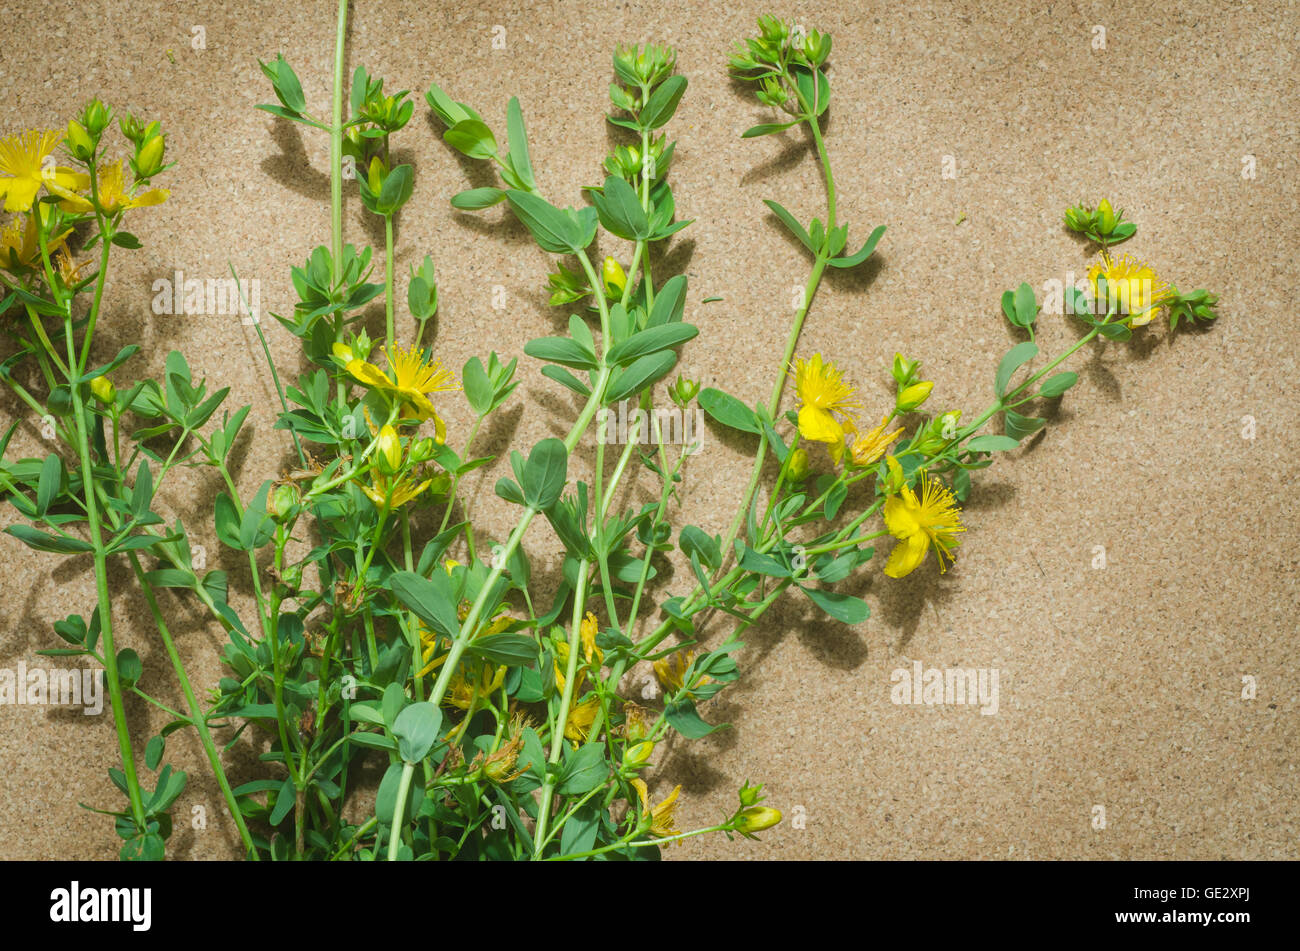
column 1120, row 687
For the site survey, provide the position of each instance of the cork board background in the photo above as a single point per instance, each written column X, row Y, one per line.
column 1120, row 687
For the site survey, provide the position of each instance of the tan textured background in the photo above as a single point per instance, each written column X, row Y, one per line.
column 1120, row 687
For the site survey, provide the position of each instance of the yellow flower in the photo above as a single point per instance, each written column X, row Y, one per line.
column 819, row 425
column 919, row 524
column 23, row 168
column 114, row 195
column 820, row 384
column 413, row 378
column 587, row 633
column 578, row 725
column 823, row 392
column 662, row 821
column 869, row 447
column 20, row 242
column 393, row 494
column 671, row 671
column 1133, row 288
column 461, row 691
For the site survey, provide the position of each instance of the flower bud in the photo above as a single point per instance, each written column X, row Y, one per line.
column 913, row 396
column 683, row 391
column 424, row 449
column 798, row 470
column 757, row 818
column 283, row 502
column 292, row 577
column 149, row 157
column 895, row 479
column 342, row 353
column 104, row 390
column 615, row 279
column 904, row 370
column 638, row 755
column 80, row 142
column 1105, row 217
column 377, row 174
column 96, row 117
column 751, row 795
column 389, row 451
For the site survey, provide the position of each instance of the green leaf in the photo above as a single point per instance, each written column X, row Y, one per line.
column 670, row 302
column 477, row 385
column 375, row 741
column 579, row 831
column 1026, row 305
column 662, row 102
column 475, row 199
column 565, row 378
column 620, row 210
column 49, row 483
column 227, row 522
column 650, row 340
column 129, row 666
column 694, row 540
column 804, row 80
column 789, row 221
column 683, row 718
column 729, row 411
column 853, row 260
column 842, row 607
column 431, row 600
column 1018, row 426
column 992, row 443
column 1058, row 384
column 640, row 374
column 511, row 650
column 762, row 564
column 518, row 141
column 142, row 491
column 767, row 128
column 1016, row 357
column 472, row 137
column 284, row 802
column 43, row 542
column 285, row 81
column 560, row 232
column 416, row 729
column 562, row 350
column 584, row 770
column 256, row 527
column 545, row 474
column 153, row 752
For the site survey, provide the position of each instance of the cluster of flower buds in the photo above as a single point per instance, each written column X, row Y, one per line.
column 644, row 66
column 1102, row 224
column 779, row 44
column 683, row 391
column 628, row 162
column 912, row 391
column 937, row 433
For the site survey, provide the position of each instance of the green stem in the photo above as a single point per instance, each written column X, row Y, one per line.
column 562, row 717
column 388, row 284
column 196, row 712
column 399, row 812
column 336, row 145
